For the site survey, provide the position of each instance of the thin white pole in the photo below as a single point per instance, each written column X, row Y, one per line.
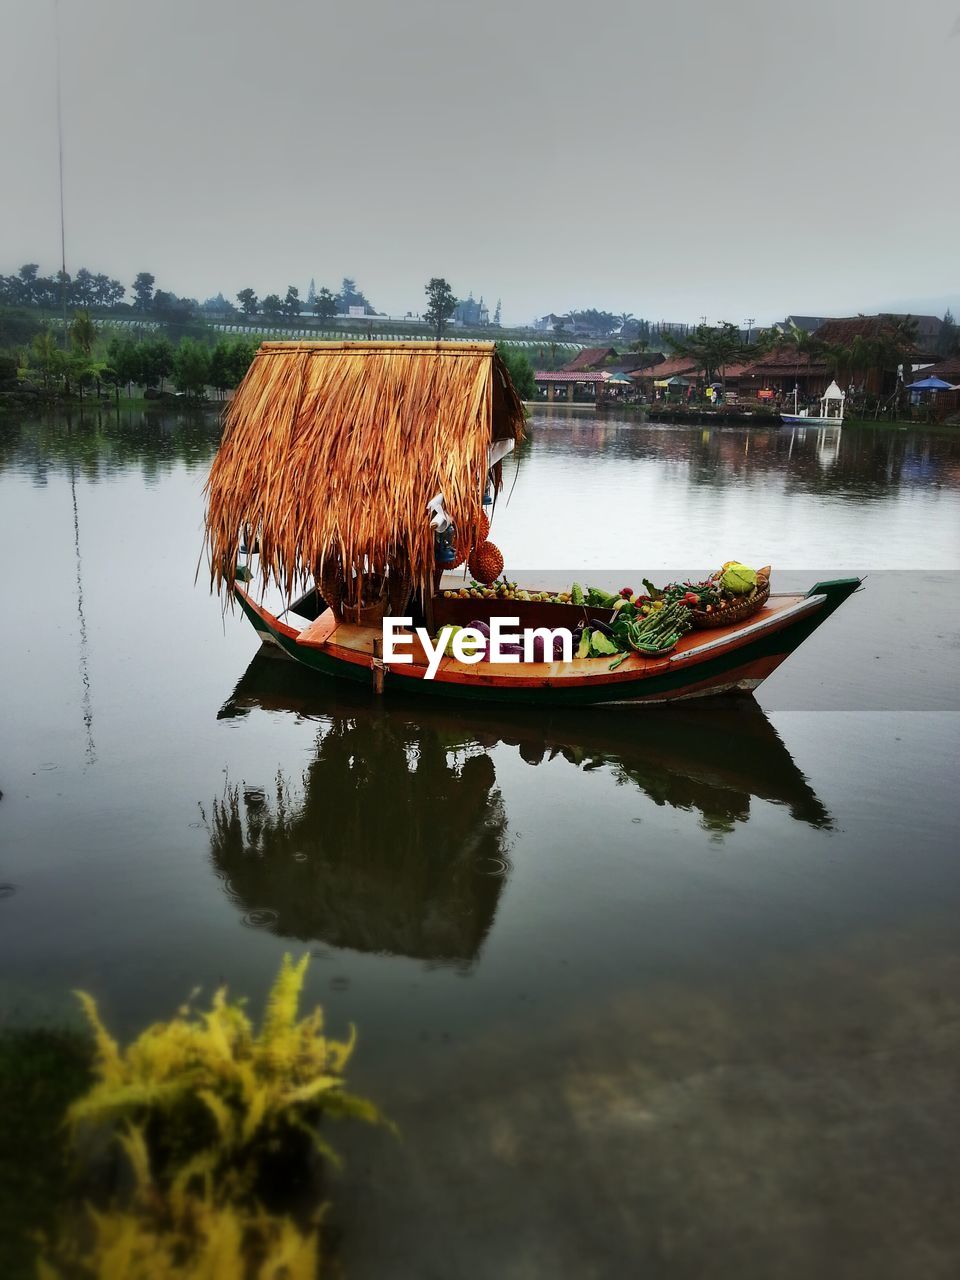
column 63, row 240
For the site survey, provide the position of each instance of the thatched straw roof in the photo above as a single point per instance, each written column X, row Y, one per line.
column 332, row 450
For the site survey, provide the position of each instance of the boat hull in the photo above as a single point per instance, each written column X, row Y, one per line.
column 738, row 660
column 797, row 420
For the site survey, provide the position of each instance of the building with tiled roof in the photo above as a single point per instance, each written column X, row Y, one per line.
column 612, row 360
column 591, row 358
column 586, row 385
column 841, row 332
column 947, row 369
column 672, row 367
column 782, row 369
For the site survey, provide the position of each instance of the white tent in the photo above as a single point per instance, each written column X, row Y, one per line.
column 831, row 402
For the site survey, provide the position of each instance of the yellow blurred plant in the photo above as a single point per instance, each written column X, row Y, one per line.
column 206, row 1081
column 209, row 1112
column 185, row 1233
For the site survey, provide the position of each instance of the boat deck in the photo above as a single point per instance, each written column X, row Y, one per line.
column 353, row 643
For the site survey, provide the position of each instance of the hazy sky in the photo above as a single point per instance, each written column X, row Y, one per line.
column 726, row 158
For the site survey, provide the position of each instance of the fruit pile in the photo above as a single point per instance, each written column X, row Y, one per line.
column 501, row 589
column 648, row 622
column 731, row 585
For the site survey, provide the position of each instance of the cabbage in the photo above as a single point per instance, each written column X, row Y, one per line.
column 600, row 644
column 738, row 579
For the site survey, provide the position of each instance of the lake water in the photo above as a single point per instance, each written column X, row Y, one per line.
column 662, row 993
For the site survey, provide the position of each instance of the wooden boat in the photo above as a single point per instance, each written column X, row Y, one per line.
column 333, row 458
column 832, row 404
column 721, row 660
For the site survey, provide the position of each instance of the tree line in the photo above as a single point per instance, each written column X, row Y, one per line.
column 624, row 325
column 28, row 288
column 90, row 364
column 322, row 303
column 94, row 364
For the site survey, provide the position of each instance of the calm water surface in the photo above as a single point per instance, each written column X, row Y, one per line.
column 673, row 993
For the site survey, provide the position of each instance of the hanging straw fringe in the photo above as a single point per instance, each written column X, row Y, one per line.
column 332, row 450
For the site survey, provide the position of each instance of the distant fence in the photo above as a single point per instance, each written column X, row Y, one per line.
column 381, row 334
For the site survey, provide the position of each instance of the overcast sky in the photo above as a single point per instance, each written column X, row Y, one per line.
column 726, row 158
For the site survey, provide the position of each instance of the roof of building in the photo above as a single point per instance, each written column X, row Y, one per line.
column 636, row 360
column 572, row 375
column 948, row 369
column 668, row 368
column 591, row 358
column 927, row 326
column 784, row 361
column 841, row 332
column 331, row 451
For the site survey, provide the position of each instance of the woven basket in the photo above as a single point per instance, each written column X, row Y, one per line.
column 394, row 594
column 731, row 613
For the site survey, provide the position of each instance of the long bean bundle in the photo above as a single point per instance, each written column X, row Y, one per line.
column 659, row 631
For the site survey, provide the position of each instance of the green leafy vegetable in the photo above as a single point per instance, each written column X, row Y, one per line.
column 600, row 645
column 600, row 599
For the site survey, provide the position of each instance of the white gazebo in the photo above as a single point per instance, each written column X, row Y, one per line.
column 831, row 404
column 831, row 410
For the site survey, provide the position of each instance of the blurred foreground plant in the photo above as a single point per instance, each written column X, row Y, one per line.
column 189, row 1233
column 215, row 1119
column 204, row 1081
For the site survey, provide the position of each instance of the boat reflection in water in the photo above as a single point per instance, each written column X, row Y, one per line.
column 397, row 839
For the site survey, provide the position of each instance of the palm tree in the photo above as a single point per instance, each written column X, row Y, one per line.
column 802, row 344
column 861, row 356
column 837, row 356
column 765, row 341
column 626, row 318
column 48, row 359
column 728, row 346
column 895, row 346
column 83, row 332
column 711, row 347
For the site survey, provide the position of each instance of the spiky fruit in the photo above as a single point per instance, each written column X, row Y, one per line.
column 486, row 562
column 483, row 528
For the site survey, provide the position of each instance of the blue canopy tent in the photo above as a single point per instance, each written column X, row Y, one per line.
column 930, row 384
